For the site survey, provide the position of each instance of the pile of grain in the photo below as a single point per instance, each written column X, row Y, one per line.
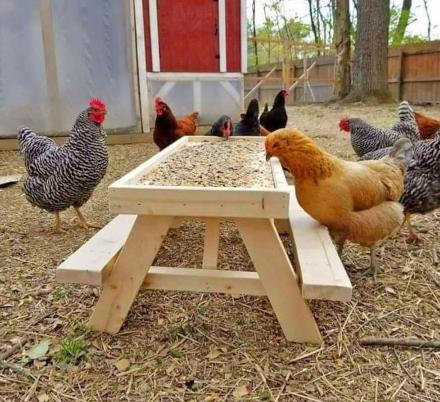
column 233, row 163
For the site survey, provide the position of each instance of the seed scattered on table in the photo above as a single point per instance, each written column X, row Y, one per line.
column 233, row 163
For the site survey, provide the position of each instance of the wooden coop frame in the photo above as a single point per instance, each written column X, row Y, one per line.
column 119, row 256
column 287, row 80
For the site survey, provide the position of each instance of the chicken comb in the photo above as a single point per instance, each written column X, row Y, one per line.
column 158, row 100
column 98, row 103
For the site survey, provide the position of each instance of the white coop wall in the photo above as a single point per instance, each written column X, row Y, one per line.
column 209, row 94
column 86, row 52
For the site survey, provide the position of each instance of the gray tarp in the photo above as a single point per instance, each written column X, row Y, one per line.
column 93, row 59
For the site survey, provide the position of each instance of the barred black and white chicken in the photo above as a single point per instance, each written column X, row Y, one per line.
column 59, row 177
column 422, row 179
column 366, row 138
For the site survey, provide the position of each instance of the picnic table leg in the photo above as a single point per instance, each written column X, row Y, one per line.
column 279, row 279
column 211, row 242
column 124, row 281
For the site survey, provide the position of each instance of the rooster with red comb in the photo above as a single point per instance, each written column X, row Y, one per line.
column 60, row 177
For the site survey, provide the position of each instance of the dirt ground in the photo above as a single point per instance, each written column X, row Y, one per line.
column 209, row 347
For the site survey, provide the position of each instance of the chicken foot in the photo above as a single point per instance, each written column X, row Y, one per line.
column 83, row 221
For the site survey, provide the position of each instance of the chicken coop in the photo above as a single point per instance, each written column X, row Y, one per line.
column 192, row 53
column 195, row 55
column 56, row 55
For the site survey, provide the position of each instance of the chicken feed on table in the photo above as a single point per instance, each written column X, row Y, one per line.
column 231, row 163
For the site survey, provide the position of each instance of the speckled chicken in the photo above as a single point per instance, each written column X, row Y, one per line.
column 422, row 180
column 59, row 177
column 366, row 138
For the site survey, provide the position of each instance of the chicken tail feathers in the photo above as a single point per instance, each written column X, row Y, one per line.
column 402, row 152
column 406, row 114
column 33, row 145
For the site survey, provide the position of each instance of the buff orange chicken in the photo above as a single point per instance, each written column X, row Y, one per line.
column 357, row 201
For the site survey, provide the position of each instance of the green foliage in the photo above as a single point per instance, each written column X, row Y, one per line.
column 394, row 20
column 71, row 351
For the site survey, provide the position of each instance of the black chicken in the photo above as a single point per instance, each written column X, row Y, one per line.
column 275, row 118
column 248, row 125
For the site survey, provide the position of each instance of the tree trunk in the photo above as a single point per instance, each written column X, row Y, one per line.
column 370, row 69
column 254, row 33
column 312, row 23
column 342, row 45
column 425, row 3
column 403, row 22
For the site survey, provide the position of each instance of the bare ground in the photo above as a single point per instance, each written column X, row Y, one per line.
column 186, row 346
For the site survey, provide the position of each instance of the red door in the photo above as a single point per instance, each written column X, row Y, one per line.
column 188, row 35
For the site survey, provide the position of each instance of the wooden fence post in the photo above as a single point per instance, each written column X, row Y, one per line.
column 399, row 75
column 50, row 64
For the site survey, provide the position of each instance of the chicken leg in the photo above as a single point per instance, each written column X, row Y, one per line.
column 57, row 229
column 413, row 236
column 83, row 221
column 373, row 263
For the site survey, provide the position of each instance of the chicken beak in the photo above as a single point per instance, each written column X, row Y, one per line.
column 268, row 156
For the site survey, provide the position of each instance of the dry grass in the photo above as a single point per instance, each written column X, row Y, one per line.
column 183, row 346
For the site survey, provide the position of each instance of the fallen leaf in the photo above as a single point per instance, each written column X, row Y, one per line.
column 43, row 397
column 390, row 290
column 213, row 354
column 240, row 391
column 122, row 364
column 39, row 350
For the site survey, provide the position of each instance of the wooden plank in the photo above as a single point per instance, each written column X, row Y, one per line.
column 258, row 85
column 185, row 76
column 154, row 35
column 302, row 77
column 222, row 35
column 92, row 262
column 147, row 35
column 141, row 65
column 125, row 279
column 244, row 48
column 211, row 243
column 233, row 38
column 150, row 163
column 195, row 48
column 204, row 280
column 50, row 64
column 399, row 75
column 279, row 280
column 322, row 273
column 199, row 201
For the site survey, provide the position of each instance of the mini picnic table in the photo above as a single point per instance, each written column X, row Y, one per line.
column 120, row 256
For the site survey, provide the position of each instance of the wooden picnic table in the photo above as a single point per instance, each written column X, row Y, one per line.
column 120, row 256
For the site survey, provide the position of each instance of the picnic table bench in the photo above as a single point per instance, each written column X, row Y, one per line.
column 119, row 257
